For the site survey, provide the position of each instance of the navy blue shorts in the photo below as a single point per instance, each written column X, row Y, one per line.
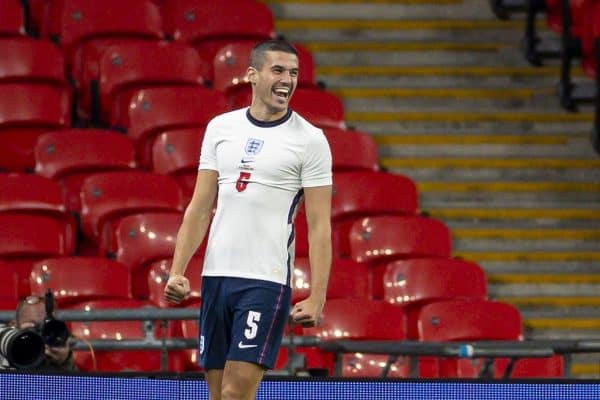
column 242, row 320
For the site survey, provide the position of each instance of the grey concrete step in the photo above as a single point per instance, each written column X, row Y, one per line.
column 545, row 199
column 491, row 267
column 495, row 174
column 547, row 289
column 467, row 9
column 410, row 127
column 470, row 244
column 503, row 56
column 522, row 224
column 576, row 150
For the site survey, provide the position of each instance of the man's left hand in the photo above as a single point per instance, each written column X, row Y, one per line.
column 307, row 312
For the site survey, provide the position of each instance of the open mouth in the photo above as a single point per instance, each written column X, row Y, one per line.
column 282, row 92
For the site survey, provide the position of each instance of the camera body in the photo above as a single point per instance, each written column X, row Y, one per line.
column 24, row 348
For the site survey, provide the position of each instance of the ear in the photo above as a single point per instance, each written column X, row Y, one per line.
column 251, row 74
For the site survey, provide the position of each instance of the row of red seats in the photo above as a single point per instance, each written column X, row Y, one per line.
column 74, row 23
column 140, row 88
column 442, row 315
column 110, row 199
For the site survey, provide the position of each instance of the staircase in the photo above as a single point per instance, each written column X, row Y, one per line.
column 446, row 92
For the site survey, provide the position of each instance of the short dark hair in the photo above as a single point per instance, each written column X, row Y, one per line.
column 257, row 57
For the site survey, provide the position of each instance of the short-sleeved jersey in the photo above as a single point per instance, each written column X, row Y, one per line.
column 263, row 168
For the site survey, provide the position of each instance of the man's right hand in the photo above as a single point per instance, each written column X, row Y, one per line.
column 177, row 289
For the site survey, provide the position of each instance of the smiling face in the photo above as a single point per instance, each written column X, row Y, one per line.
column 273, row 84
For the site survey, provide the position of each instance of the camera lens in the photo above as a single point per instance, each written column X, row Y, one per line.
column 23, row 348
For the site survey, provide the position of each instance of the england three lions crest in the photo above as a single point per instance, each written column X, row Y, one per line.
column 254, row 146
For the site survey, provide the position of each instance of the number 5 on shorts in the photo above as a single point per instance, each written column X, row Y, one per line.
column 253, row 318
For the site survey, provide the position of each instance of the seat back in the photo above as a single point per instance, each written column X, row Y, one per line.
column 348, row 279
column 31, row 60
column 158, row 275
column 416, row 281
column 379, row 239
column 125, row 68
column 352, row 150
column 108, row 196
column 412, row 283
column 71, row 155
column 177, row 153
column 152, row 111
column 191, row 21
column 80, row 279
column 73, row 22
column 27, row 110
column 142, row 239
column 21, row 248
column 12, row 22
column 368, row 320
column 469, row 319
column 25, row 193
column 362, row 193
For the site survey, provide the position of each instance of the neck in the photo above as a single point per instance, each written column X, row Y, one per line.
column 265, row 115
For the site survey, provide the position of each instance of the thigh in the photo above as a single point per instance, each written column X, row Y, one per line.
column 215, row 324
column 260, row 315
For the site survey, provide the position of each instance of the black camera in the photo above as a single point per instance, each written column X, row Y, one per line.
column 24, row 348
column 53, row 331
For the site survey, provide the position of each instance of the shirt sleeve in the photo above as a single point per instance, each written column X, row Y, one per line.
column 208, row 152
column 316, row 167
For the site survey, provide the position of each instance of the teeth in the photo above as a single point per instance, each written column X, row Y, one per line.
column 282, row 90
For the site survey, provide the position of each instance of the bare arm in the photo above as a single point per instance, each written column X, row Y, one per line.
column 191, row 233
column 318, row 217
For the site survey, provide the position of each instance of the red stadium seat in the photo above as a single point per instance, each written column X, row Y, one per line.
column 28, row 60
column 319, row 107
column 9, row 284
column 550, row 367
column 352, row 150
column 109, row 82
column 153, row 111
column 142, row 239
column 79, row 279
column 19, row 247
column 26, row 111
column 12, row 22
column 177, row 153
column 73, row 23
column 209, row 26
column 368, row 320
column 379, row 239
column 415, row 282
column 358, row 194
column 348, row 279
column 71, row 155
column 106, row 197
column 34, row 194
column 119, row 360
column 158, row 276
column 467, row 320
column 590, row 32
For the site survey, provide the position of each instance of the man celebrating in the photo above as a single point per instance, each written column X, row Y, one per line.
column 262, row 161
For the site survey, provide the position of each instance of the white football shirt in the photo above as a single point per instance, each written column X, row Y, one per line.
column 262, row 168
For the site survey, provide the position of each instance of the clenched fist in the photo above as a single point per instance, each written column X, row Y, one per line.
column 177, row 289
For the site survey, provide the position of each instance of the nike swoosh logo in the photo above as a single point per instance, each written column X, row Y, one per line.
column 247, row 160
column 246, row 346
